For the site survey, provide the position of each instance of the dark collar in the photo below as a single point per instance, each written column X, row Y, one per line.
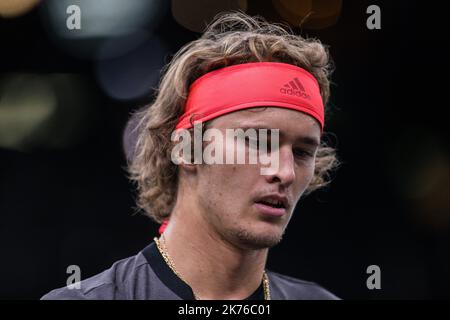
column 173, row 282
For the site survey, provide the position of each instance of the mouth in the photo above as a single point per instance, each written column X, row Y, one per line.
column 272, row 205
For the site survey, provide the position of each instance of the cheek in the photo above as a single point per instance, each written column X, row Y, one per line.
column 218, row 179
column 304, row 176
column 228, row 182
column 310, row 171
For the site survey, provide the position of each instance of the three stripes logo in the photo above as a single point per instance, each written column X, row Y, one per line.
column 295, row 88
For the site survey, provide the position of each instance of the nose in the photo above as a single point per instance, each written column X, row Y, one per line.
column 285, row 174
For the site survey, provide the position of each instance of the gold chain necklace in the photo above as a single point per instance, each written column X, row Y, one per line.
column 163, row 250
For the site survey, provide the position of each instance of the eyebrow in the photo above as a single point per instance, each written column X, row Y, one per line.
column 308, row 140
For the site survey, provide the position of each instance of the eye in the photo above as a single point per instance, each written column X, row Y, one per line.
column 302, row 153
column 251, row 142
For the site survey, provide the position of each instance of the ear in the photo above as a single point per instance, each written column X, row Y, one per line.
column 183, row 159
column 181, row 151
column 188, row 167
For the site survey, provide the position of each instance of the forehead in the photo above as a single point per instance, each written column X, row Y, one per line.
column 291, row 123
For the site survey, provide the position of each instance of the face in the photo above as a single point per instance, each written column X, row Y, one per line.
column 238, row 201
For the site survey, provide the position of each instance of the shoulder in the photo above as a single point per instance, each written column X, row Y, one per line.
column 109, row 284
column 286, row 287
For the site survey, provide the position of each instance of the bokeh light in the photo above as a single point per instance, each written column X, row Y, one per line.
column 15, row 8
column 194, row 15
column 133, row 75
column 421, row 175
column 310, row 14
column 130, row 135
column 27, row 102
column 101, row 20
column 52, row 111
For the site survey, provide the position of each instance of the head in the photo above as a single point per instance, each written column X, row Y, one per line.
column 229, row 197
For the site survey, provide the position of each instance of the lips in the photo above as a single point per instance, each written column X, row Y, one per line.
column 272, row 205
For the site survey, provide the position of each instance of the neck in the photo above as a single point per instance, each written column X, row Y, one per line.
column 212, row 266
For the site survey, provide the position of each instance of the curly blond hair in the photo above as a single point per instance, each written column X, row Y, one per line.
column 232, row 38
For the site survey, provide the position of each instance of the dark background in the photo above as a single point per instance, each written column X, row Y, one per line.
column 65, row 198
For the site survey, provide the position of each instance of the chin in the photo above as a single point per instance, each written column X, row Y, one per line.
column 252, row 239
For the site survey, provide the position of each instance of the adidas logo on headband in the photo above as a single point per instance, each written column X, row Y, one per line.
column 295, row 88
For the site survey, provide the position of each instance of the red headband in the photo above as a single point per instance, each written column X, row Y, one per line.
column 249, row 85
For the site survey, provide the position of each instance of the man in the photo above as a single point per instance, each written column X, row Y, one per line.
column 220, row 219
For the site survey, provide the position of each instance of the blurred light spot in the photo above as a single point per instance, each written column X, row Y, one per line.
column 43, row 110
column 196, row 14
column 131, row 134
column 433, row 201
column 121, row 45
column 309, row 14
column 422, row 176
column 133, row 75
column 26, row 102
column 15, row 8
column 101, row 20
column 410, row 158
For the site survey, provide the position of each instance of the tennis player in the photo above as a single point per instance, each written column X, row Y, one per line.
column 219, row 219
